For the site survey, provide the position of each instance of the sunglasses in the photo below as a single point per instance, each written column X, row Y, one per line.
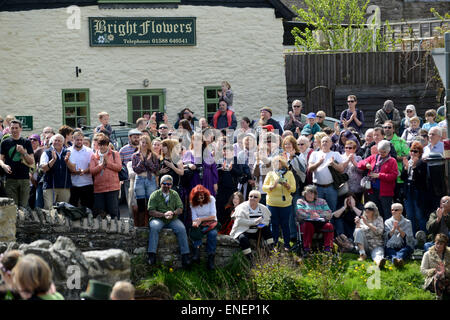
column 387, row 127
column 348, row 147
column 253, row 197
column 163, row 127
column 297, row 106
column 395, row 209
column 166, row 183
column 33, row 139
column 414, row 151
column 350, row 101
column 424, row 136
column 409, row 111
column 320, row 117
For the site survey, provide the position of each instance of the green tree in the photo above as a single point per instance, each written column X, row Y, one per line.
column 340, row 24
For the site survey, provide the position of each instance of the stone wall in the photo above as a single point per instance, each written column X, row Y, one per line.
column 72, row 268
column 97, row 234
column 7, row 220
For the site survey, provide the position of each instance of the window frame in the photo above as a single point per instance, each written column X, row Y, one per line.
column 76, row 104
column 144, row 92
column 210, row 100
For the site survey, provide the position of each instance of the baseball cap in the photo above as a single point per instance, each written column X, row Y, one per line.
column 311, row 115
column 133, row 132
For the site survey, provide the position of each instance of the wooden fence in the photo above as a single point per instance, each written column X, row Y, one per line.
column 323, row 81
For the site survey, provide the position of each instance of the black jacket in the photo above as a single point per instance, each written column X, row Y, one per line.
column 419, row 175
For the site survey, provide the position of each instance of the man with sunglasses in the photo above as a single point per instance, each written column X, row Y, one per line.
column 402, row 150
column 294, row 119
column 398, row 237
column 352, row 117
column 164, row 207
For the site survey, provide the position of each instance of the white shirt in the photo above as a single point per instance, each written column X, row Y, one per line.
column 44, row 157
column 322, row 174
column 81, row 160
column 204, row 211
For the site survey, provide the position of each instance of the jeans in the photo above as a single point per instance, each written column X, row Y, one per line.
column 376, row 253
column 383, row 203
column 330, row 194
column 40, row 196
column 292, row 224
column 401, row 253
column 280, row 217
column 107, row 202
column 177, row 227
column 211, row 242
column 143, row 187
column 413, row 203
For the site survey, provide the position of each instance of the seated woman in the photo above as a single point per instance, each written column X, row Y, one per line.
column 32, row 278
column 368, row 235
column 204, row 222
column 236, row 199
column 347, row 214
column 249, row 218
column 436, row 267
column 398, row 236
column 314, row 215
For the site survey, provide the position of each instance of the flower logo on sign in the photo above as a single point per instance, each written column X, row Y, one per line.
column 101, row 39
column 111, row 37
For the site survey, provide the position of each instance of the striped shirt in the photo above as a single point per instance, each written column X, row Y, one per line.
column 126, row 152
column 254, row 214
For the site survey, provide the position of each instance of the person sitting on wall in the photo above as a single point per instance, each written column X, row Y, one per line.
column 164, row 207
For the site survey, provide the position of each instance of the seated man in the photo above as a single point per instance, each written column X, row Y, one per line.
column 398, row 236
column 164, row 207
column 249, row 217
column 439, row 222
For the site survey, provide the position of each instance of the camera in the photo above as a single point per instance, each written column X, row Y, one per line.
column 281, row 173
column 159, row 117
column 200, row 171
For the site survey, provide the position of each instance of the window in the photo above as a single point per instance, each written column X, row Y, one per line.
column 140, row 101
column 76, row 107
column 138, row 1
column 211, row 101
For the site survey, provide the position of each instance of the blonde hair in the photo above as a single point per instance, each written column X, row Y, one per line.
column 102, row 114
column 319, row 136
column 227, row 84
column 123, row 290
column 371, row 205
column 170, row 144
column 281, row 161
column 32, row 274
column 148, row 142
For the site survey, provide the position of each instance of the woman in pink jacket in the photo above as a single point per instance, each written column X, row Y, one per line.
column 383, row 172
column 105, row 166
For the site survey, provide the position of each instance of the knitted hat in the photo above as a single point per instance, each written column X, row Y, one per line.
column 311, row 115
column 266, row 109
column 388, row 105
column 35, row 137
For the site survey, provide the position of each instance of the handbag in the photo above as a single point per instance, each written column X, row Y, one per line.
column 123, row 173
column 365, row 183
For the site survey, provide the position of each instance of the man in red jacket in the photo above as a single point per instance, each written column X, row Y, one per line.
column 224, row 118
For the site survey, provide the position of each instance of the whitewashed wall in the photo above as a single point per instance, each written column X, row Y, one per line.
column 38, row 56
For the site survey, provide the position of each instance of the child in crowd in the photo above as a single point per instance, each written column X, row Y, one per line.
column 312, row 124
column 32, row 277
column 122, row 290
column 430, row 116
column 8, row 261
column 104, row 126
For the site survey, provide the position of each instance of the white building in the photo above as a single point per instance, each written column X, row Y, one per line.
column 44, row 44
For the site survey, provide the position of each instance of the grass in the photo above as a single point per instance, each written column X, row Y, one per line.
column 281, row 276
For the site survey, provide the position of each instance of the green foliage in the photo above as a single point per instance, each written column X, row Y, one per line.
column 342, row 24
column 281, row 276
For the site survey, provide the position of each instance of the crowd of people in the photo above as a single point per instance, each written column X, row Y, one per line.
column 383, row 190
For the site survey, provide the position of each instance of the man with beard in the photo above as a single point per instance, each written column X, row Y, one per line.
column 82, row 189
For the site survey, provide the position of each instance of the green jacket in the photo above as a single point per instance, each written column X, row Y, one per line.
column 158, row 203
column 402, row 149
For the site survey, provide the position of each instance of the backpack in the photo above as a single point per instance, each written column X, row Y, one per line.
column 123, row 174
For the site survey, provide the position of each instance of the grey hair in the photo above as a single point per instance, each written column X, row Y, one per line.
column 384, row 145
column 310, row 188
column 373, row 206
column 58, row 135
column 438, row 130
column 166, row 177
column 255, row 192
column 297, row 101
